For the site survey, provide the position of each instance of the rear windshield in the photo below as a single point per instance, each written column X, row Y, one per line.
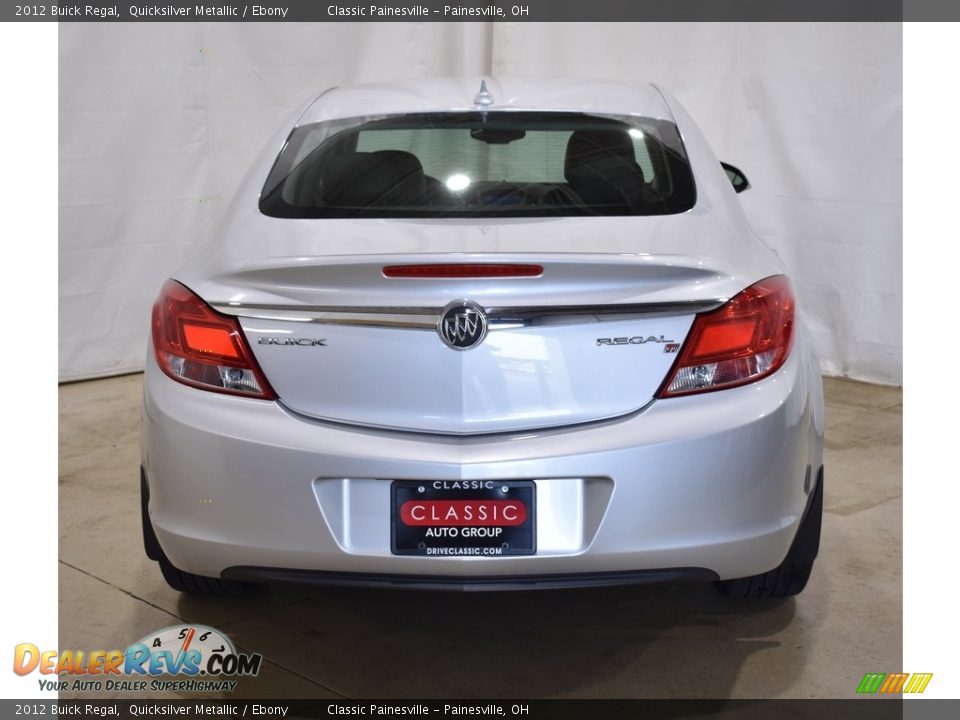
column 472, row 164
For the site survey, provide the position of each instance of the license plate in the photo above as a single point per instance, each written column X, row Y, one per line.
column 463, row 518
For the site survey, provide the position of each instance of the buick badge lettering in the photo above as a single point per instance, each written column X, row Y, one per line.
column 462, row 325
column 301, row 342
column 636, row 340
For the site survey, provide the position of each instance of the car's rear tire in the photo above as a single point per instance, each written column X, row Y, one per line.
column 199, row 584
column 784, row 581
column 791, row 577
column 178, row 579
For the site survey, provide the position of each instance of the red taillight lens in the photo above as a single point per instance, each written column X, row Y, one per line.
column 198, row 346
column 745, row 340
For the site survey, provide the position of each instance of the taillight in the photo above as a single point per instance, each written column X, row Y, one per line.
column 745, row 340
column 198, row 346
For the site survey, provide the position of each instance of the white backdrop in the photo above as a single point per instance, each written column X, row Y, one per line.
column 158, row 122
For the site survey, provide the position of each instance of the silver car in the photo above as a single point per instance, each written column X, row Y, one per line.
column 484, row 334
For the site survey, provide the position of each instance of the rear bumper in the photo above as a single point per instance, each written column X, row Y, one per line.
column 470, row 584
column 711, row 485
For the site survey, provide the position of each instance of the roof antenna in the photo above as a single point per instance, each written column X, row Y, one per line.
column 483, row 100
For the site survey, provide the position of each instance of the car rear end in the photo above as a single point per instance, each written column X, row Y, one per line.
column 481, row 349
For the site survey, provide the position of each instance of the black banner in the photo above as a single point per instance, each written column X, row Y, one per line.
column 873, row 708
column 483, row 10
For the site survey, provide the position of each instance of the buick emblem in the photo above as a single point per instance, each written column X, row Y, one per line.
column 462, row 325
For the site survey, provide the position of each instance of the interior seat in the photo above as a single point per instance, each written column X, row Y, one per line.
column 601, row 167
column 411, row 186
column 358, row 180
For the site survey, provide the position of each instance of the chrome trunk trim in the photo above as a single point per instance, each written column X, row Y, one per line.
column 498, row 318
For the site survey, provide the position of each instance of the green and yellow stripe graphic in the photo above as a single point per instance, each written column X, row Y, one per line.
column 894, row 683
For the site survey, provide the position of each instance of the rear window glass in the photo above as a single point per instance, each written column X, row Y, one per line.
column 494, row 164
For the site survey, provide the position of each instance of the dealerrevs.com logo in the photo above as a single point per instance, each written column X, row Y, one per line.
column 203, row 655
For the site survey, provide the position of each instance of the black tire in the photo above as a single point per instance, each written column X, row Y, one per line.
column 791, row 577
column 784, row 581
column 151, row 546
column 178, row 579
column 199, row 584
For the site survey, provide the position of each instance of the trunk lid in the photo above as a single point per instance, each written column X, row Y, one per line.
column 591, row 338
column 588, row 339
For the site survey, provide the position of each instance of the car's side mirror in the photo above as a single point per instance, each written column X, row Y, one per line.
column 736, row 177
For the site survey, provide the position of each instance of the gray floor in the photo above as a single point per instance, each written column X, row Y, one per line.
column 676, row 641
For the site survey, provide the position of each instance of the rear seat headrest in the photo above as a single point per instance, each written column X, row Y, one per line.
column 586, row 149
column 382, row 178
